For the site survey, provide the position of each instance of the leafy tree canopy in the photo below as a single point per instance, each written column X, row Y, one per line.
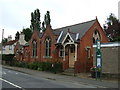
column 17, row 36
column 4, row 40
column 28, row 33
column 35, row 20
column 112, row 28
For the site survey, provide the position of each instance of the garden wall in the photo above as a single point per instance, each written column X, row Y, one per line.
column 110, row 59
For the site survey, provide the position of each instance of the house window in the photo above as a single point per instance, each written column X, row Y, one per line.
column 96, row 36
column 94, row 40
column 61, row 52
column 34, row 49
column 3, row 48
column 48, row 47
column 88, row 53
column 26, row 52
column 10, row 47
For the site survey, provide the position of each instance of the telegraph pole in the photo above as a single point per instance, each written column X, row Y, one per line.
column 2, row 44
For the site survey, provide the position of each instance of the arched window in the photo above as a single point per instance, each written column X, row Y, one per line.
column 93, row 40
column 34, row 49
column 48, row 47
column 96, row 36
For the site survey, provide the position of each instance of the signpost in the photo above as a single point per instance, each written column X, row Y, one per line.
column 98, row 60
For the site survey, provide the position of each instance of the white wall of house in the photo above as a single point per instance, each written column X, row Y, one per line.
column 9, row 49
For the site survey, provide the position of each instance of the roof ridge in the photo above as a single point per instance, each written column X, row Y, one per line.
column 9, row 42
column 72, row 32
column 75, row 24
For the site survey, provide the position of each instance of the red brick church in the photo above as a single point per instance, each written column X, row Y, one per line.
column 71, row 45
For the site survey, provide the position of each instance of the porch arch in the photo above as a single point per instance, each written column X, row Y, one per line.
column 72, row 55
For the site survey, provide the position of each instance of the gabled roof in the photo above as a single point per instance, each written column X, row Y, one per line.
column 38, row 33
column 80, row 28
column 10, row 42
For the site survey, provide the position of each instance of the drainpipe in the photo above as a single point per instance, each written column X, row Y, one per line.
column 40, row 51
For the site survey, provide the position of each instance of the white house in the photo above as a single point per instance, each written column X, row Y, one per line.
column 8, row 47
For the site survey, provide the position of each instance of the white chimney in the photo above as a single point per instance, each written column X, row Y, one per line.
column 22, row 38
column 9, row 38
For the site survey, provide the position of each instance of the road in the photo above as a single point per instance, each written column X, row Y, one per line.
column 19, row 80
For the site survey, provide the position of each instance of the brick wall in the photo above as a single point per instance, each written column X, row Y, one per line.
column 109, row 59
column 87, row 40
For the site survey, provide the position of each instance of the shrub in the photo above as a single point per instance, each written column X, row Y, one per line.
column 58, row 67
column 8, row 57
column 41, row 66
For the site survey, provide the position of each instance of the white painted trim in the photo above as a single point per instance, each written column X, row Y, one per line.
column 59, row 37
column 75, row 52
column 69, row 43
column 64, row 52
column 66, row 37
column 77, row 35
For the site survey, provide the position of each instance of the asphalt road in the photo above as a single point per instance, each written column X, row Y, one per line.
column 19, row 80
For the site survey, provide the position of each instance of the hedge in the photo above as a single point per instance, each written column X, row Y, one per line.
column 41, row 66
column 7, row 57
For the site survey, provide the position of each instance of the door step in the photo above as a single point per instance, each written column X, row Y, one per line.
column 69, row 71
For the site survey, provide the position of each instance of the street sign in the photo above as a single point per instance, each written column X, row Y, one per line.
column 98, row 62
column 98, row 44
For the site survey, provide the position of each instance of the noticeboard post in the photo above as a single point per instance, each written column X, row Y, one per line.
column 98, row 60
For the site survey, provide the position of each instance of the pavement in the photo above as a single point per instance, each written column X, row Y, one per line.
column 83, row 78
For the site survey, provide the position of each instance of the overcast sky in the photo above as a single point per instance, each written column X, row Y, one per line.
column 16, row 14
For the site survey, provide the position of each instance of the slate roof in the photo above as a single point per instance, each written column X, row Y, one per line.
column 80, row 28
column 27, row 44
column 10, row 42
column 39, row 34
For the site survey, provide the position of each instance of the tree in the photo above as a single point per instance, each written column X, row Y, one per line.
column 47, row 19
column 35, row 20
column 17, row 36
column 43, row 26
column 4, row 40
column 28, row 33
column 112, row 28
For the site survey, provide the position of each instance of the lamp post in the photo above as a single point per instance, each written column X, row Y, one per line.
column 1, row 45
column 98, row 59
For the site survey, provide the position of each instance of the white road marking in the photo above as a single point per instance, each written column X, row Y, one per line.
column 16, row 73
column 10, row 83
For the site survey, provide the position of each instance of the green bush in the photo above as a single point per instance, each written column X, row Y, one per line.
column 58, row 67
column 7, row 57
column 41, row 66
column 47, row 66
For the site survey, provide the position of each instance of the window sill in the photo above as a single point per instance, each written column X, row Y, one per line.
column 47, row 56
column 61, row 56
column 34, row 56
